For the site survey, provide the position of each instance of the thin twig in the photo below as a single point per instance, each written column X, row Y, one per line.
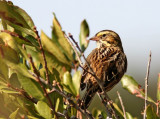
column 43, row 54
column 91, row 72
column 120, row 99
column 146, row 85
column 44, row 90
column 74, row 48
column 105, row 104
column 84, row 112
column 23, row 93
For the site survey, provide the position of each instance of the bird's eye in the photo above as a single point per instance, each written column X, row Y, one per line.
column 104, row 35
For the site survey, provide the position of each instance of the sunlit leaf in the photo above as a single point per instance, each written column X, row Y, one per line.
column 151, row 114
column 13, row 80
column 31, row 87
column 25, row 16
column 8, row 40
column 68, row 84
column 98, row 113
column 84, row 33
column 14, row 114
column 44, row 110
column 8, row 12
column 52, row 61
column 11, row 59
column 3, row 70
column 158, row 88
column 133, row 87
column 53, row 48
column 59, row 38
column 8, row 54
column 118, row 110
column 129, row 116
column 76, row 81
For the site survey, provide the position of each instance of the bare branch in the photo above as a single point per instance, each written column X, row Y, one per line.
column 84, row 112
column 146, row 85
column 120, row 99
column 43, row 54
column 44, row 90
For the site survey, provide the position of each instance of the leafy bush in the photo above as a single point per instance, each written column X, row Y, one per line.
column 35, row 71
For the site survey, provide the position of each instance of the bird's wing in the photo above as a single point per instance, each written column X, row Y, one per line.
column 109, row 66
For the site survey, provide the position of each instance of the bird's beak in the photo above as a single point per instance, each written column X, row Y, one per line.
column 94, row 38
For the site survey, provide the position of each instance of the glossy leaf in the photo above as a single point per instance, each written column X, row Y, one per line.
column 68, row 84
column 44, row 110
column 53, row 48
column 72, row 84
column 8, row 54
column 76, row 81
column 25, row 16
column 118, row 110
column 52, row 61
column 84, row 33
column 13, row 80
column 151, row 113
column 31, row 87
column 134, row 88
column 60, row 40
column 11, row 59
column 129, row 116
column 3, row 70
column 158, row 88
column 99, row 114
column 26, row 31
column 8, row 12
column 14, row 114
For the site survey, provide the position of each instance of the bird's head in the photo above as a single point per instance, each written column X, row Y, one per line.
column 107, row 38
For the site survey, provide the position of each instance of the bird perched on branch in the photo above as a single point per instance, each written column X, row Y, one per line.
column 108, row 62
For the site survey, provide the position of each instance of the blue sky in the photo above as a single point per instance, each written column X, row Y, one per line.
column 137, row 22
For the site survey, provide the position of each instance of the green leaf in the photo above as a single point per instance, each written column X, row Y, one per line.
column 96, row 113
column 53, row 48
column 8, row 54
column 76, row 81
column 3, row 70
column 118, row 110
column 11, row 58
column 59, row 38
column 52, row 61
column 26, row 31
column 14, row 114
column 134, row 88
column 84, row 33
column 129, row 116
column 31, row 117
column 44, row 110
column 68, row 84
column 25, row 16
column 158, row 88
column 31, row 87
column 151, row 114
column 13, row 80
column 72, row 84
column 8, row 40
column 8, row 12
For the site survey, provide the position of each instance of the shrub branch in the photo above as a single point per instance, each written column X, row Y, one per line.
column 146, row 85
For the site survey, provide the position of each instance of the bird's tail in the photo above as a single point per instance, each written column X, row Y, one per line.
column 87, row 98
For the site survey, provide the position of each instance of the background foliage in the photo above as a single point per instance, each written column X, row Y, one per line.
column 21, row 94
